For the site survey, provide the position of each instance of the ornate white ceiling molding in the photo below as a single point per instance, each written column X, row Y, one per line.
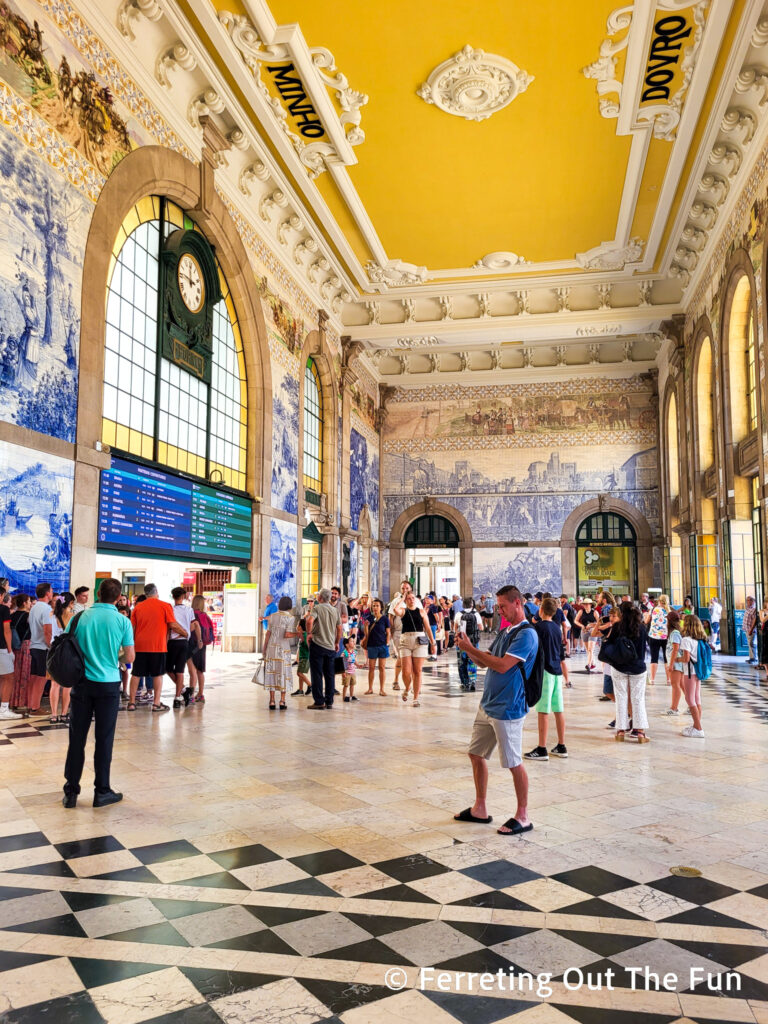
column 611, row 256
column 396, row 273
column 501, row 261
column 672, row 44
column 428, row 341
column 474, row 84
column 293, row 81
column 726, row 155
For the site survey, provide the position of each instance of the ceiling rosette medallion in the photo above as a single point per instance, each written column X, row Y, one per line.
column 473, row 84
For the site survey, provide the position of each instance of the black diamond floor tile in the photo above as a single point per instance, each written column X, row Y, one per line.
column 397, row 893
column 727, row 954
column 88, row 847
column 411, row 867
column 480, row 961
column 171, row 909
column 219, row 880
column 499, row 874
column 694, row 890
column 213, row 983
column 204, row 1013
column 600, row 908
column 273, row 916
column 489, row 934
column 369, row 951
column 11, row 959
column 55, row 869
column 158, row 853
column 303, row 887
column 77, row 1008
column 326, row 861
column 761, row 891
column 64, row 924
column 477, row 1009
column 22, row 842
column 243, row 857
column 161, row 934
column 88, row 900
column 706, row 918
column 264, row 941
column 592, row 1015
column 495, row 899
column 593, row 880
column 10, row 892
column 137, row 874
column 383, row 925
column 94, row 973
column 603, row 943
column 340, row 996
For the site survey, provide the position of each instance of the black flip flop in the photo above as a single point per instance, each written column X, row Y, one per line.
column 467, row 815
column 515, row 828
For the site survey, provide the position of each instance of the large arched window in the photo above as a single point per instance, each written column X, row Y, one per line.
column 313, row 428
column 673, row 458
column 705, row 407
column 153, row 408
column 741, row 362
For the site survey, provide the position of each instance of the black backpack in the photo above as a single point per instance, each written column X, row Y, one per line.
column 533, row 682
column 473, row 631
column 65, row 663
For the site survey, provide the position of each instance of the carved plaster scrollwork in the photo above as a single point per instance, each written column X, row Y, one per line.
column 693, row 236
column 716, row 186
column 308, row 246
column 320, row 266
column 560, row 351
column 270, row 202
column 500, row 261
column 446, row 307
column 563, row 297
column 237, row 138
column 527, row 357
column 473, row 84
column 292, row 223
column 593, row 352
column 760, row 33
column 611, row 255
column 374, row 313
column 753, row 77
column 428, row 341
column 409, row 308
column 329, row 286
column 645, row 292
column 434, row 362
column 258, row 171
column 523, row 303
column 627, row 348
column 484, row 304
column 496, row 359
column 704, row 212
column 726, row 156
column 338, row 301
column 604, row 295
column 208, row 102
column 178, row 56
column 395, row 273
column 465, row 363
column 603, row 70
column 595, row 331
column 737, row 119
column 132, row 10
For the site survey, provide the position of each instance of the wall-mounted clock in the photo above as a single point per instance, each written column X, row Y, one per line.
column 189, row 290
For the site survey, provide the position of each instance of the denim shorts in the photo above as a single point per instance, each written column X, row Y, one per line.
column 378, row 652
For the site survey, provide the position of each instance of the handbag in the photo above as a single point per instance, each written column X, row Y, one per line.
column 258, row 675
column 422, row 640
column 65, row 662
column 6, row 663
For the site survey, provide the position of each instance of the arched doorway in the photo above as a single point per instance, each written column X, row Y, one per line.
column 432, row 555
column 606, row 555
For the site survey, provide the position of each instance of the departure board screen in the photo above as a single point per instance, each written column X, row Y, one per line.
column 149, row 510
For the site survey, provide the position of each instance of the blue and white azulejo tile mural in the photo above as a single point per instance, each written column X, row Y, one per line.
column 42, row 243
column 363, row 480
column 282, row 559
column 285, row 433
column 529, row 569
column 35, row 518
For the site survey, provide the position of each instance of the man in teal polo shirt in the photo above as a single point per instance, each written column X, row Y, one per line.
column 101, row 631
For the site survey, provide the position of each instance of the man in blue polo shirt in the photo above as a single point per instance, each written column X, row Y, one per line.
column 100, row 631
column 502, row 710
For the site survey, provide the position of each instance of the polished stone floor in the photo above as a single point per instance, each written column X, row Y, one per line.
column 273, row 867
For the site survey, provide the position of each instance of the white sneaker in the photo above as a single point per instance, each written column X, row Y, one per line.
column 7, row 715
column 687, row 711
column 669, row 713
column 690, row 731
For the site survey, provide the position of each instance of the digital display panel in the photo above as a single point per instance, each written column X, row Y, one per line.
column 148, row 510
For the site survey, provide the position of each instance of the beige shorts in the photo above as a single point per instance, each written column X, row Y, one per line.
column 507, row 733
column 410, row 646
column 347, row 679
column 397, row 636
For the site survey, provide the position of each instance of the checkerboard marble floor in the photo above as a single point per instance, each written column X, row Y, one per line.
column 268, row 867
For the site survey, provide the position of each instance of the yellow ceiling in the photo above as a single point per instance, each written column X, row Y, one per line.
column 542, row 178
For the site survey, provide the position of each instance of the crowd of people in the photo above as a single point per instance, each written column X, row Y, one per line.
column 129, row 646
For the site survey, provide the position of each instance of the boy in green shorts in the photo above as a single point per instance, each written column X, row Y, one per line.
column 550, row 640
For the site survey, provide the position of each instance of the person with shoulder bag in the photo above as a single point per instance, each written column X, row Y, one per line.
column 7, row 662
column 416, row 639
column 624, row 651
column 465, row 622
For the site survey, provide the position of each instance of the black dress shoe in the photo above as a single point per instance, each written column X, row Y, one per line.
column 110, row 797
column 70, row 797
column 316, row 707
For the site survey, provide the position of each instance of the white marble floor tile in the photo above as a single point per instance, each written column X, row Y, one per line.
column 430, row 943
column 279, row 1002
column 146, row 996
column 118, row 917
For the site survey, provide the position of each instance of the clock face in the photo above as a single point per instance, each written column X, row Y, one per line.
column 191, row 286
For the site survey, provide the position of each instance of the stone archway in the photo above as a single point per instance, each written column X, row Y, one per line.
column 607, row 503
column 430, row 507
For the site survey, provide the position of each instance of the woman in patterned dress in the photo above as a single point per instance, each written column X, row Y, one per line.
column 277, row 652
column 23, row 658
